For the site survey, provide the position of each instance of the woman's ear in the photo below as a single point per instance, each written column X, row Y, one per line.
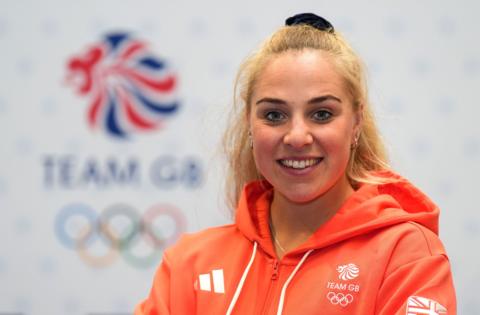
column 359, row 117
column 357, row 126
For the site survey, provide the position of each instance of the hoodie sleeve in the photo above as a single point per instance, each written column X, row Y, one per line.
column 158, row 300
column 418, row 279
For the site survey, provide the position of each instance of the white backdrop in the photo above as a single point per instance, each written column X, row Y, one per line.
column 424, row 70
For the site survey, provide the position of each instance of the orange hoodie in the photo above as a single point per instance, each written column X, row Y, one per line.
column 379, row 254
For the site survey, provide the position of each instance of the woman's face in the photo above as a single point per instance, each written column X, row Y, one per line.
column 302, row 124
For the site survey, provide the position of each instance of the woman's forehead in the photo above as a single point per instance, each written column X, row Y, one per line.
column 305, row 71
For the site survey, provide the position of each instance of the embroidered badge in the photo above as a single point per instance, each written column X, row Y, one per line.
column 348, row 272
column 338, row 298
column 417, row 305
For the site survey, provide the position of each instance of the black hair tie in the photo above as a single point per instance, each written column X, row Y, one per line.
column 310, row 19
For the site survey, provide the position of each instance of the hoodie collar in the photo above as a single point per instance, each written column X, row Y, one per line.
column 369, row 208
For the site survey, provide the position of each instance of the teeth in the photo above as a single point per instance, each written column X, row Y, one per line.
column 299, row 164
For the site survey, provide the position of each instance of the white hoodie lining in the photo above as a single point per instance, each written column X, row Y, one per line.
column 284, row 289
column 242, row 280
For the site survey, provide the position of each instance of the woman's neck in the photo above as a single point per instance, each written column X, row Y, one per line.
column 293, row 223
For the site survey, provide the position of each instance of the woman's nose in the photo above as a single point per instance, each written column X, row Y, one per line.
column 298, row 135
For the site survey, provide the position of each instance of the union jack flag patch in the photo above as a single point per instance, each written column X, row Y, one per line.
column 417, row 305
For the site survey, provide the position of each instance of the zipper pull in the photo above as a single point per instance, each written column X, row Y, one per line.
column 275, row 270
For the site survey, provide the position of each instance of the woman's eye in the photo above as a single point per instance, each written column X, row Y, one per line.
column 322, row 115
column 274, row 116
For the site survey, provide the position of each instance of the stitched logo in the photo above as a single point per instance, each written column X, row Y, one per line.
column 339, row 298
column 205, row 281
column 417, row 305
column 348, row 272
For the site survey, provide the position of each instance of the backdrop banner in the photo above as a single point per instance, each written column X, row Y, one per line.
column 112, row 112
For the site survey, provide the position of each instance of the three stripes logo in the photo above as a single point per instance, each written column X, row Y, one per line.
column 417, row 305
column 212, row 281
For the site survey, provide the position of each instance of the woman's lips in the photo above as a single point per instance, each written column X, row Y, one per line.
column 299, row 164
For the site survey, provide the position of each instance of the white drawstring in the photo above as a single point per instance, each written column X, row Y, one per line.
column 284, row 289
column 244, row 277
column 242, row 281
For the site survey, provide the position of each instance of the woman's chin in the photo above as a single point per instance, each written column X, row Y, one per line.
column 299, row 197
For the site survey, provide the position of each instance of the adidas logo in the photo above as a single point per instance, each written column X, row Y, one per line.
column 214, row 279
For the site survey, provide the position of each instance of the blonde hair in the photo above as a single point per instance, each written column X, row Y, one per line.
column 368, row 156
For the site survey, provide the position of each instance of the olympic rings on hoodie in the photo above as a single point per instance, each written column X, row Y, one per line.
column 339, row 298
column 121, row 231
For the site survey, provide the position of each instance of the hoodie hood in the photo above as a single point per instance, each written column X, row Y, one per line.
column 369, row 208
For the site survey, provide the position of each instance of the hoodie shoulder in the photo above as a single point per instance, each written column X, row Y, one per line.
column 205, row 241
column 207, row 235
column 410, row 242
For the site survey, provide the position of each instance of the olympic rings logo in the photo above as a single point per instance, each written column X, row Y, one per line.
column 119, row 230
column 339, row 298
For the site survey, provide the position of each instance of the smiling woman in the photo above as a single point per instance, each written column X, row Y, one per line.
column 303, row 126
column 322, row 224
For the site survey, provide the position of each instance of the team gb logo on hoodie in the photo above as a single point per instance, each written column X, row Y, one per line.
column 348, row 272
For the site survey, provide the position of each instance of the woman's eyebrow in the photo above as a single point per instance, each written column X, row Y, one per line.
column 315, row 100
column 324, row 98
column 271, row 100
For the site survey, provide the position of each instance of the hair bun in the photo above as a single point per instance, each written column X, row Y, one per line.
column 310, row 19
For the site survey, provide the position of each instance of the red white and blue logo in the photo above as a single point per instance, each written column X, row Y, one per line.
column 129, row 88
